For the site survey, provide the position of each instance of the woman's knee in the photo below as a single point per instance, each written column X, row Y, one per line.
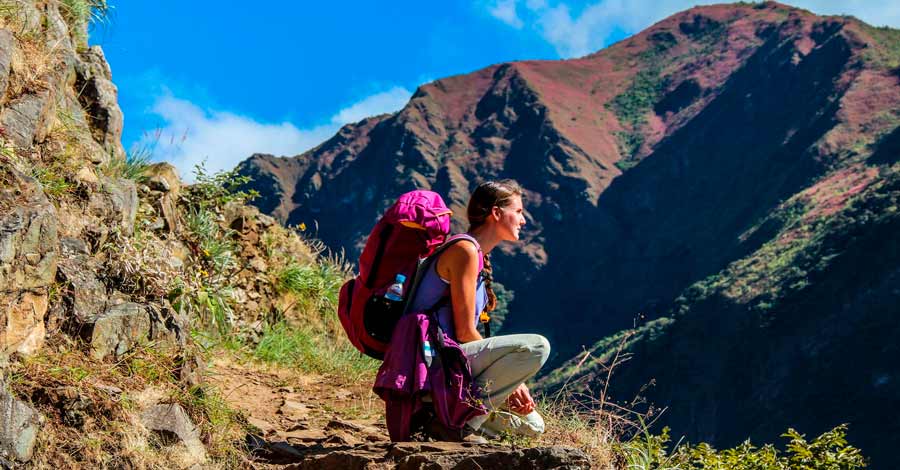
column 538, row 348
column 541, row 347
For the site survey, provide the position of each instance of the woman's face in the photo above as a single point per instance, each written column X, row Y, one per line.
column 510, row 219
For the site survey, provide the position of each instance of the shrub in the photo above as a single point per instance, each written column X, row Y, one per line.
column 830, row 451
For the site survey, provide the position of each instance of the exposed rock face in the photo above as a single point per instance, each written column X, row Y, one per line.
column 445, row 456
column 100, row 99
column 654, row 164
column 28, row 260
column 432, row 455
column 116, row 205
column 19, row 425
column 25, row 119
column 78, row 273
column 172, row 423
column 119, row 329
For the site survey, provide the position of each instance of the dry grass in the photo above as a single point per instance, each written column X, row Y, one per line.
column 92, row 409
column 591, row 421
column 32, row 67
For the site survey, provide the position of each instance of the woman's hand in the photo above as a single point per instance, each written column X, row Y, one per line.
column 520, row 401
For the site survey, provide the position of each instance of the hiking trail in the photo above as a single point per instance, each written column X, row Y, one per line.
column 309, row 421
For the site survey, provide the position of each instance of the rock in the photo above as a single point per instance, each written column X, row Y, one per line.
column 23, row 16
column 58, row 38
column 7, row 46
column 294, row 410
column 166, row 326
column 336, row 424
column 163, row 177
column 19, row 425
column 28, row 261
column 24, row 330
column 265, row 221
column 259, row 264
column 265, row 427
column 85, row 295
column 303, row 435
column 437, row 456
column 172, row 423
column 70, row 247
column 116, row 203
column 86, row 176
column 25, row 119
column 98, row 96
column 119, row 329
column 343, row 438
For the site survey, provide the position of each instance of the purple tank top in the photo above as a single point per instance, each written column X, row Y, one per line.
column 430, row 291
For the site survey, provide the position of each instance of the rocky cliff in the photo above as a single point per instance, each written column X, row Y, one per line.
column 727, row 143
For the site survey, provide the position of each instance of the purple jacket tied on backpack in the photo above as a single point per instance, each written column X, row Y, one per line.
column 406, row 377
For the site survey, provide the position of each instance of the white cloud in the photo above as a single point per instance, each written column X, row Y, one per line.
column 379, row 103
column 505, row 11
column 192, row 135
column 576, row 33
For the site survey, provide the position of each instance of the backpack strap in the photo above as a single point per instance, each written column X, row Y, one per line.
column 425, row 265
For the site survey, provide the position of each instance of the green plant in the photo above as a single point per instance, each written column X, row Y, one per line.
column 830, row 451
column 52, row 180
column 218, row 189
column 133, row 166
column 316, row 284
column 80, row 14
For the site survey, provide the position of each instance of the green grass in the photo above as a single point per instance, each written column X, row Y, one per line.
column 79, row 14
column 133, row 166
column 310, row 350
column 53, row 181
column 316, row 284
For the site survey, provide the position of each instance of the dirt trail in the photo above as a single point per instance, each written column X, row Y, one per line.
column 310, row 422
column 294, row 411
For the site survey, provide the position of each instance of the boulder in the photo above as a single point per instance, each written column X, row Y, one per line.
column 116, row 203
column 85, row 295
column 163, row 177
column 25, row 119
column 173, row 425
column 98, row 96
column 119, row 329
column 28, row 260
column 19, row 425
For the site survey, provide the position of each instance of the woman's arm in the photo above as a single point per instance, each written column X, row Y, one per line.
column 459, row 265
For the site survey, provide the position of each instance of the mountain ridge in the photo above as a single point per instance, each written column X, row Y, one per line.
column 720, row 137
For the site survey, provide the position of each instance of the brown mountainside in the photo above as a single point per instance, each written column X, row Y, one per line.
column 730, row 175
column 715, row 114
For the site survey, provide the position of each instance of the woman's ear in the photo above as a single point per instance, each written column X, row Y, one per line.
column 497, row 213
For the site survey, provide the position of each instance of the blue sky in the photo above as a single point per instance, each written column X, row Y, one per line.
column 217, row 81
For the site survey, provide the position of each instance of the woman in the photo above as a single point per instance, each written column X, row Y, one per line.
column 500, row 364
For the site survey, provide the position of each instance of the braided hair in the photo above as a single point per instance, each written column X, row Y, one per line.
column 484, row 199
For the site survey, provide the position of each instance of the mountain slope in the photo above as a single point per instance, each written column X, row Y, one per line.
column 724, row 137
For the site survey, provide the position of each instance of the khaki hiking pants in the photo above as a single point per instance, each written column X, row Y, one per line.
column 499, row 364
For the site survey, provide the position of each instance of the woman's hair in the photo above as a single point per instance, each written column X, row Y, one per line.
column 485, row 198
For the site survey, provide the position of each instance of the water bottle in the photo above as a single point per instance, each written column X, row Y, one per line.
column 395, row 292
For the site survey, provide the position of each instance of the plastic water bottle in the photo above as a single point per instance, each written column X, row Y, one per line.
column 395, row 292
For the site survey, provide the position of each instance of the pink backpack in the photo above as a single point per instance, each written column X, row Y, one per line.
column 409, row 230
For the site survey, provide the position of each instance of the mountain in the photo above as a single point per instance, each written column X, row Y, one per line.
column 718, row 190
